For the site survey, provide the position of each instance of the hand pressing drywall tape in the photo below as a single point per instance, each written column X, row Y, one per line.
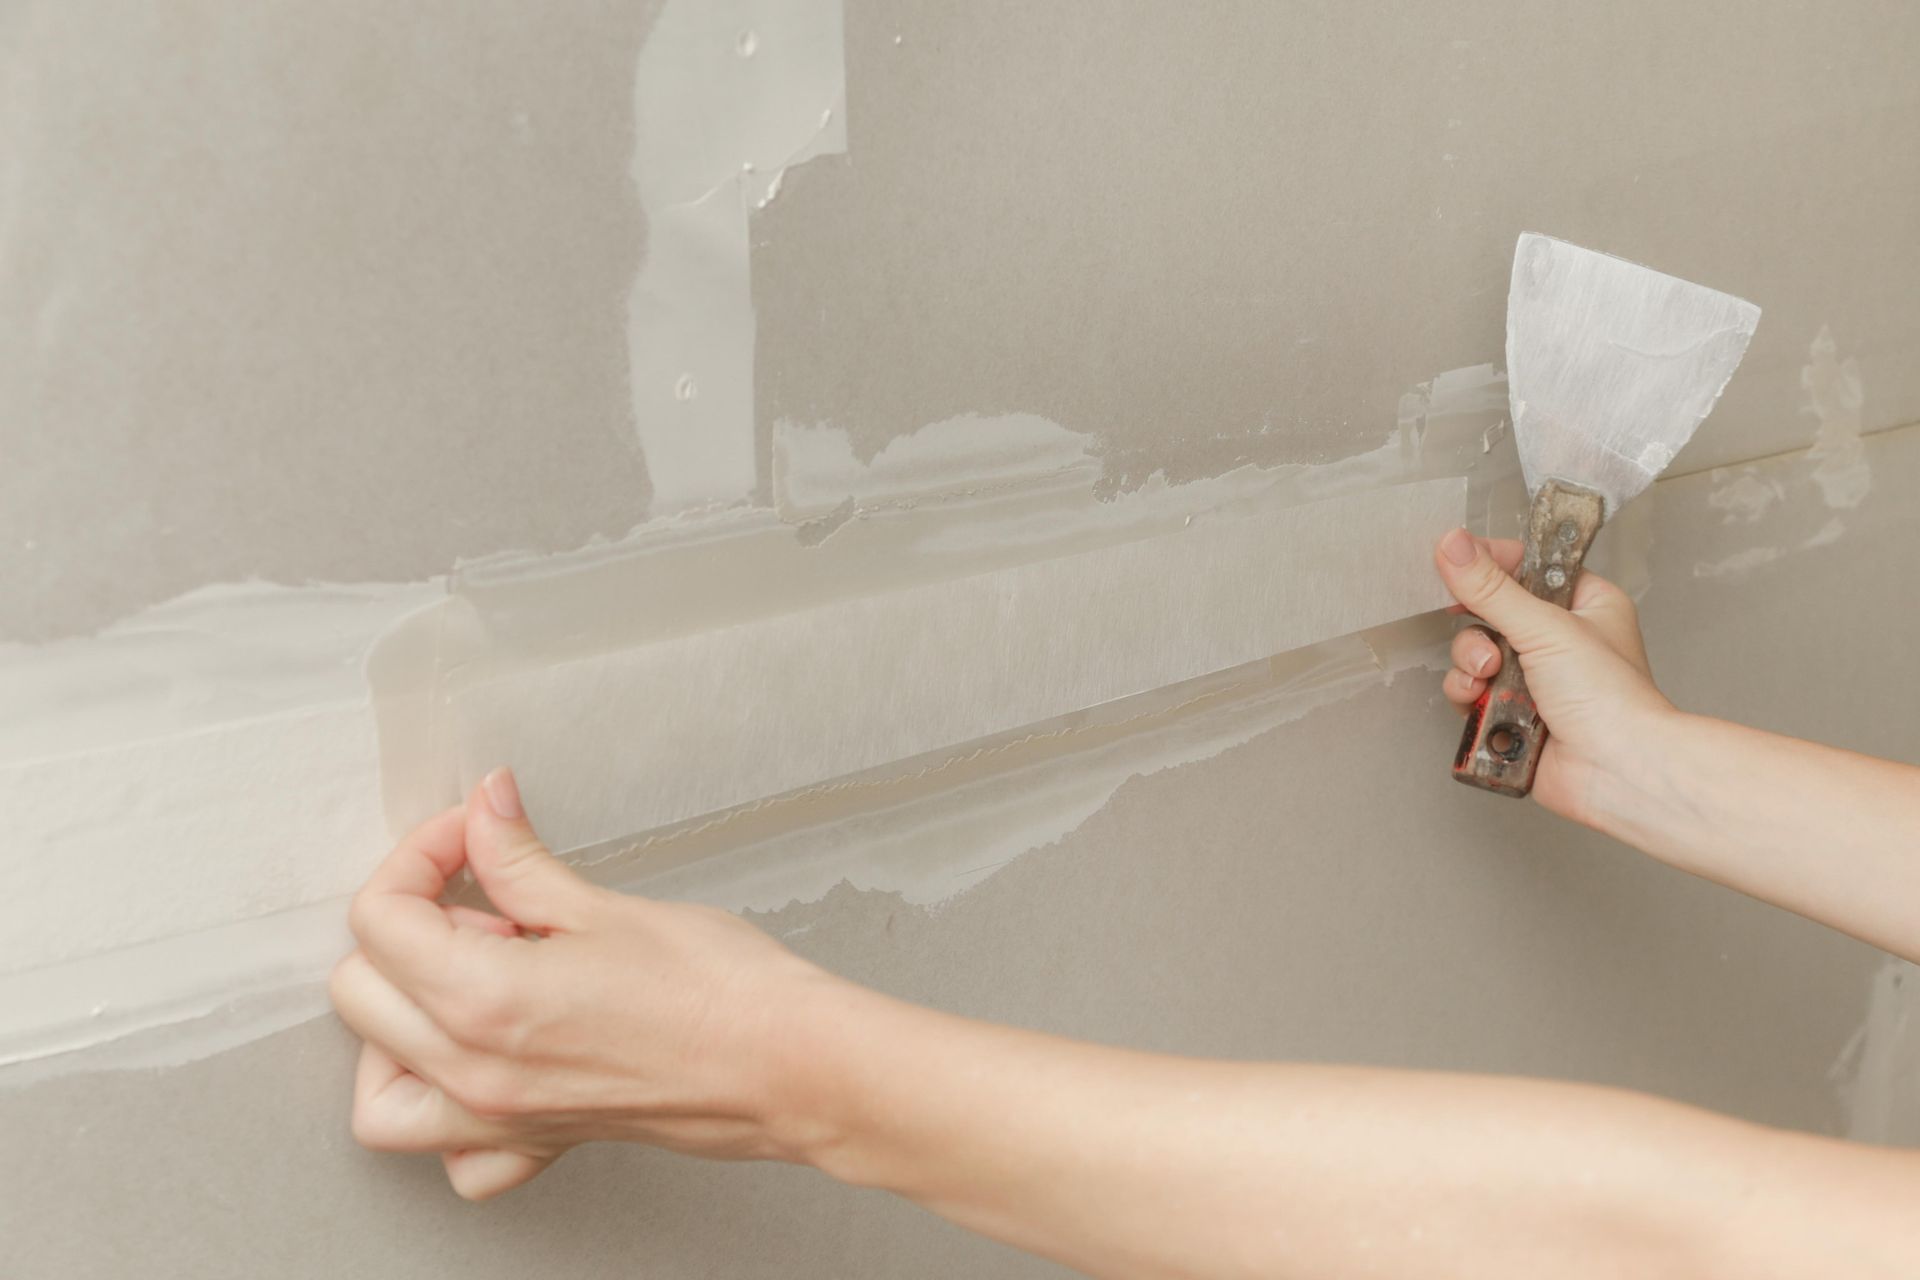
column 577, row 1014
column 830, row 689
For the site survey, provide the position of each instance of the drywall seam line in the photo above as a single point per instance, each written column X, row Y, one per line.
column 1784, row 455
column 897, row 834
column 944, row 764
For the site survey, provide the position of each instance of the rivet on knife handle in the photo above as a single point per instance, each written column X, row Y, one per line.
column 1500, row 749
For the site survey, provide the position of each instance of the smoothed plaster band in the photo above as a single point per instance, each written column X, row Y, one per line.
column 616, row 743
column 236, row 731
column 249, row 977
column 204, row 762
column 928, row 833
column 156, row 838
column 217, row 655
column 180, row 996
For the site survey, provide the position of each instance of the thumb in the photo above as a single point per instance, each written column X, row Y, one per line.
column 1491, row 594
column 521, row 877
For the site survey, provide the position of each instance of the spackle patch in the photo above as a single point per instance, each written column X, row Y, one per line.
column 1835, row 395
column 1738, row 564
column 1828, row 534
column 1772, row 503
column 1745, row 497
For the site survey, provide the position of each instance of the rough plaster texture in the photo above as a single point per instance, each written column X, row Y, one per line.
column 339, row 292
column 1263, row 903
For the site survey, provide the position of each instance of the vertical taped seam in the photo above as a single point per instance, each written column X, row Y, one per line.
column 726, row 96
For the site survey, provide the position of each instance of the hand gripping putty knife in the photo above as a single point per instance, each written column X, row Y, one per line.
column 1610, row 367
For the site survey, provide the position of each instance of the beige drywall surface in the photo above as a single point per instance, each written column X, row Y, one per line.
column 346, row 294
column 1225, row 231
column 341, row 294
column 1324, row 891
column 301, row 293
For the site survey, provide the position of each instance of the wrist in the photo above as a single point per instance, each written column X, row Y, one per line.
column 822, row 1040
column 1634, row 782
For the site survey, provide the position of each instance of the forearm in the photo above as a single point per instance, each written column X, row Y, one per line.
column 1137, row 1165
column 1830, row 834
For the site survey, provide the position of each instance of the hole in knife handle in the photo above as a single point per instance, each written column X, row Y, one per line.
column 1507, row 741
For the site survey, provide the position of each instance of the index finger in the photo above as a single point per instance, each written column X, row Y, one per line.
column 397, row 915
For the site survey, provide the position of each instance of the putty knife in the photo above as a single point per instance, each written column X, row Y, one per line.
column 1610, row 368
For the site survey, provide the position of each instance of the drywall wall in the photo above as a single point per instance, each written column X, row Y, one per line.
column 480, row 340
column 1262, row 901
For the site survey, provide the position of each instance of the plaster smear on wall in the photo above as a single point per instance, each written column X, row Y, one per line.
column 1834, row 398
column 636, row 626
column 1006, row 498
column 258, row 929
column 216, row 655
column 197, row 784
column 1757, row 498
column 203, row 762
column 634, row 739
column 927, row 833
column 172, row 999
column 727, row 96
column 930, row 834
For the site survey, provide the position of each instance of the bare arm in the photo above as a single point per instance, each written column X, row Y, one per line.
column 1830, row 834
column 686, row 1028
column 1135, row 1165
column 1827, row 833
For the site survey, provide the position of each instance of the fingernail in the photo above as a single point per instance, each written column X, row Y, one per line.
column 1480, row 667
column 503, row 794
column 1458, row 547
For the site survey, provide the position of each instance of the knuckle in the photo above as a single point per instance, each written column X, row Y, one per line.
column 523, row 855
column 1492, row 580
column 1470, row 650
column 488, row 1088
column 484, row 1015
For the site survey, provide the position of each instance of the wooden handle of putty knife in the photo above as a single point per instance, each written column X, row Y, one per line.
column 1504, row 736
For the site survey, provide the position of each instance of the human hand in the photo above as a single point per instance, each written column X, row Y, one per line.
column 576, row 1014
column 1585, row 666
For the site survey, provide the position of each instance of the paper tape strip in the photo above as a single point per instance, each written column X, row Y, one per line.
column 623, row 742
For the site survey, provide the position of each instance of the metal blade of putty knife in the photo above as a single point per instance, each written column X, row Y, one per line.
column 1610, row 368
